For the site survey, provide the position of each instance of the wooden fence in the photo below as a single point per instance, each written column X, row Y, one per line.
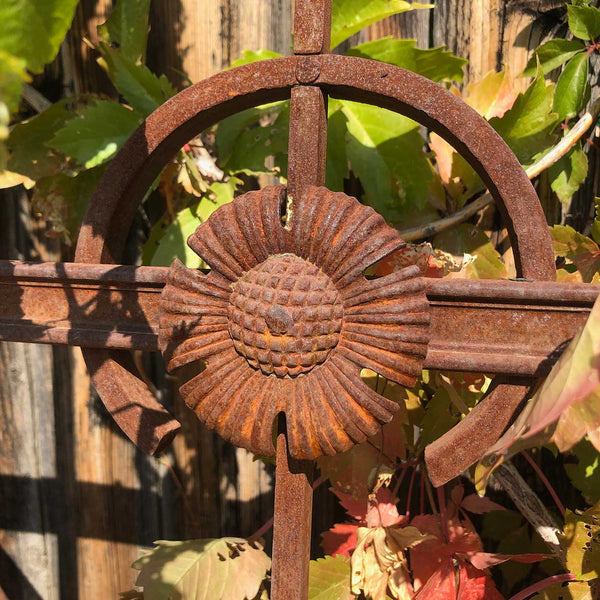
column 77, row 500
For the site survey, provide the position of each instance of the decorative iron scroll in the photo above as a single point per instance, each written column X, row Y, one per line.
column 286, row 320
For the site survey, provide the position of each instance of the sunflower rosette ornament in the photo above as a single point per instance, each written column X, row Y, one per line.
column 286, row 320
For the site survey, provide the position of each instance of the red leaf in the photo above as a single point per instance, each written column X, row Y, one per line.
column 476, row 585
column 340, row 539
column 382, row 512
column 485, row 560
column 479, row 505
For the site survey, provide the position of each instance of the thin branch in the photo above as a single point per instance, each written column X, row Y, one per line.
column 553, row 156
column 37, row 101
column 531, row 507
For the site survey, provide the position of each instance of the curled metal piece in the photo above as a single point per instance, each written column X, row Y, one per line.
column 286, row 320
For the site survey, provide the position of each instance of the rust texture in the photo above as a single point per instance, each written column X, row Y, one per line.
column 522, row 326
column 116, row 199
column 312, row 26
column 291, row 529
column 286, row 320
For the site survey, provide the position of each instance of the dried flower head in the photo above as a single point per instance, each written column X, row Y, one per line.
column 286, row 320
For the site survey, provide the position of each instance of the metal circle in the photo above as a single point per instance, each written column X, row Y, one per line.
column 130, row 174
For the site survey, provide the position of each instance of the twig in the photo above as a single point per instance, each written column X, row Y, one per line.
column 565, row 144
column 530, row 506
column 545, row 481
column 542, row 585
column 37, row 101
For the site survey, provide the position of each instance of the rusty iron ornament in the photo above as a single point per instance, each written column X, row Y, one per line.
column 286, row 320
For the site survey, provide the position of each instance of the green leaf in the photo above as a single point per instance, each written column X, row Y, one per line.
column 143, row 90
column 596, row 225
column 209, row 569
column 127, row 28
column 552, row 55
column 585, row 473
column 251, row 56
column 579, row 249
column 337, row 159
column 568, row 173
column 573, row 590
column 581, row 542
column 386, row 153
column 63, row 200
column 34, row 29
column 465, row 239
column 254, row 145
column 350, row 16
column 230, row 129
column 169, row 240
column 527, row 127
column 12, row 77
column 96, row 133
column 584, row 21
column 329, row 579
column 437, row 64
column 27, row 143
column 570, row 95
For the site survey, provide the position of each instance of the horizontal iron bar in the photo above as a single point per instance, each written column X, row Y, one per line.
column 491, row 326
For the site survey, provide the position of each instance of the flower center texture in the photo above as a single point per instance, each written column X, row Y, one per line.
column 285, row 316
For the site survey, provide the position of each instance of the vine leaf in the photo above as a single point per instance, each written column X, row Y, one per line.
column 34, row 29
column 27, row 143
column 581, row 542
column 584, row 21
column 437, row 64
column 95, row 134
column 329, row 579
column 143, row 90
column 552, row 55
column 573, row 590
column 568, row 174
column 385, row 150
column 528, row 126
column 440, row 568
column 572, row 87
column 585, row 473
column 127, row 28
column 580, row 250
column 168, row 238
column 209, row 569
column 563, row 410
column 379, row 561
column 350, row 16
column 381, row 510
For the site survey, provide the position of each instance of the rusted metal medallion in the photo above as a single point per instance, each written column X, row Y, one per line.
column 286, row 319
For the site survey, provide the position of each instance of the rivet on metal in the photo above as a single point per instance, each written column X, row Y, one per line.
column 308, row 69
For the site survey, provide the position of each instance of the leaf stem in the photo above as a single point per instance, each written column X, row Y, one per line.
column 410, row 491
column 566, row 143
column 543, row 584
column 545, row 481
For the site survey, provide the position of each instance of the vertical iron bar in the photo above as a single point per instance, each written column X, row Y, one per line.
column 292, row 524
column 306, row 166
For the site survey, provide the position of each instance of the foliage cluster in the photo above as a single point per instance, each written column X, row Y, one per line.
column 400, row 539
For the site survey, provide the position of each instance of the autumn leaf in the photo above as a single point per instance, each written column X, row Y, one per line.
column 441, row 569
column 379, row 562
column 377, row 510
column 580, row 250
column 563, row 410
column 581, row 541
column 349, row 472
column 209, row 569
column 329, row 579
